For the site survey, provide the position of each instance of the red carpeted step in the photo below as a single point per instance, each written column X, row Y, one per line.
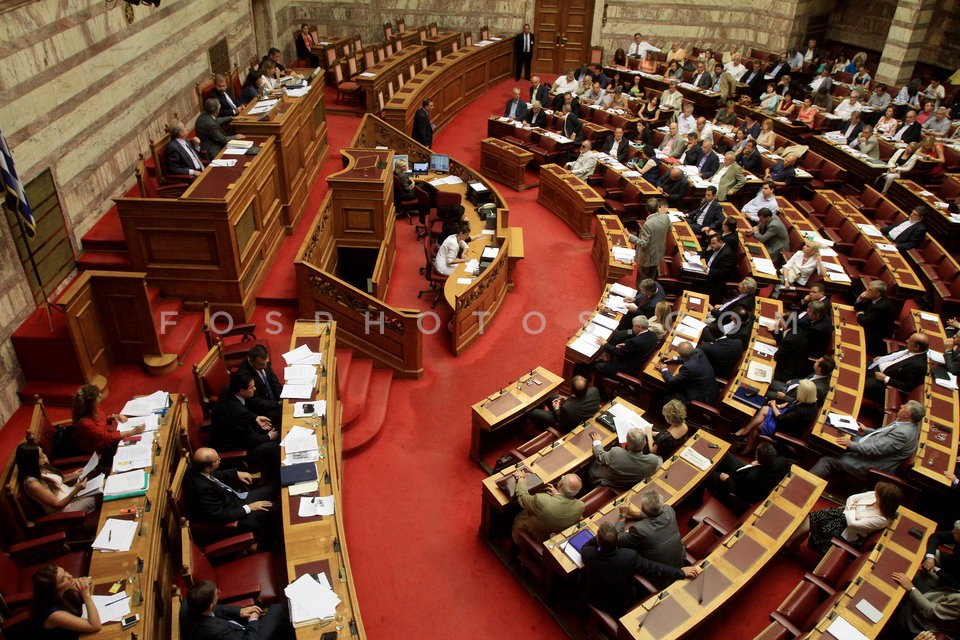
column 368, row 426
column 179, row 339
column 53, row 393
column 104, row 261
column 37, row 345
column 106, row 235
column 344, row 359
column 354, row 397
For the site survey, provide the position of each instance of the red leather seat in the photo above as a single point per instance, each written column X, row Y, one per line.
column 256, row 575
column 17, row 569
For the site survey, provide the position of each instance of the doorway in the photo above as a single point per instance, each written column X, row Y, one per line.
column 563, row 29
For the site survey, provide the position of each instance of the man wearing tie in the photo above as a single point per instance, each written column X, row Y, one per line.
column 709, row 162
column 538, row 92
column 572, row 127
column 228, row 104
column 536, row 116
column 203, row 619
column 266, row 399
column 884, row 448
column 903, row 370
column 422, row 127
column 910, row 130
column 516, row 108
column 523, row 51
column 787, row 391
column 182, row 157
column 617, row 146
column 708, row 214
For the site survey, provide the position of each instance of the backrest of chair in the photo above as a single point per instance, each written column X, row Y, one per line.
column 381, row 53
column 413, row 70
column 432, row 27
column 158, row 150
column 456, row 45
column 389, row 48
column 467, row 39
column 401, row 25
column 9, row 575
column 203, row 89
column 211, row 375
column 387, row 31
column 352, row 66
column 596, row 55
column 357, row 43
column 369, row 57
column 196, row 566
column 484, row 32
column 175, row 490
column 338, row 74
column 422, row 33
column 398, row 45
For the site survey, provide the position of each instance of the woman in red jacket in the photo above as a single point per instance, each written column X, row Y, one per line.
column 94, row 431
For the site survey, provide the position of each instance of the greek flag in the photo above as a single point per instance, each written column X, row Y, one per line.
column 14, row 197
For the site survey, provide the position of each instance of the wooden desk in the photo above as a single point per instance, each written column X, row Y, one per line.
column 500, row 128
column 566, row 455
column 330, row 43
column 691, row 304
column 452, row 82
column 864, row 170
column 799, row 227
column 907, row 194
column 766, row 308
column 704, row 102
column 608, row 232
column 573, row 358
column 785, row 128
column 908, row 284
column 846, row 383
column 299, row 130
column 647, row 190
column 217, row 241
column 740, row 557
column 378, row 81
column 503, row 406
column 505, row 163
column 755, row 249
column 897, row 550
column 319, row 544
column 569, row 198
column 682, row 239
column 155, row 545
column 441, row 45
column 674, row 481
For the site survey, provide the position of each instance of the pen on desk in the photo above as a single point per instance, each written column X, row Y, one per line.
column 109, row 535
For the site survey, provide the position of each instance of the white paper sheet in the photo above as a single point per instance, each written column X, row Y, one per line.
column 119, row 483
column 843, row 630
column 297, row 355
column 116, row 535
column 319, row 409
column 319, row 506
column 297, row 391
column 843, row 422
column 94, row 486
column 145, row 405
column 604, row 321
column 759, row 372
column 623, row 291
column 586, row 344
column 150, row 423
column 310, row 600
column 111, row 608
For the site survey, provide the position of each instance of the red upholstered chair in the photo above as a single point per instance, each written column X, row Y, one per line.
column 629, row 205
column 434, row 279
column 211, row 376
column 536, row 443
column 867, row 202
column 531, row 554
column 718, row 512
column 595, row 499
column 521, row 137
column 403, row 207
column 256, row 575
column 545, row 150
column 607, row 184
column 841, row 563
column 600, row 624
column 830, row 177
column 17, row 568
column 148, row 186
column 703, row 539
column 346, row 90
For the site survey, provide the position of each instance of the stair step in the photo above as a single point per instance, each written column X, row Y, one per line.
column 104, row 261
column 107, row 234
column 166, row 311
column 355, row 397
column 179, row 339
column 59, row 394
column 344, row 358
column 368, row 426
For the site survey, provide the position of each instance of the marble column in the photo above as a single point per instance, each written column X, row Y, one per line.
column 908, row 31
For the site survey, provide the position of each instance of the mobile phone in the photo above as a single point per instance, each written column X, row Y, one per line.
column 329, row 635
column 128, row 621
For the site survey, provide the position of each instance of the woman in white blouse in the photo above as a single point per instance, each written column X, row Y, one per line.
column 453, row 251
column 887, row 125
column 801, row 265
column 767, row 138
column 900, row 162
column 863, row 514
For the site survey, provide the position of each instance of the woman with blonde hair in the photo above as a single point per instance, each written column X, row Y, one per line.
column 667, row 441
column 767, row 138
column 931, row 151
column 902, row 161
column 802, row 265
column 790, row 417
column 660, row 319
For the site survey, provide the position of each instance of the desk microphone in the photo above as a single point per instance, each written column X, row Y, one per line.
column 660, row 598
column 702, row 580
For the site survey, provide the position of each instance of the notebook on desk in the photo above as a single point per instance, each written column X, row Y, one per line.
column 297, row 473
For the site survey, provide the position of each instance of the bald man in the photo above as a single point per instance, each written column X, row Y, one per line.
column 549, row 512
column 212, row 497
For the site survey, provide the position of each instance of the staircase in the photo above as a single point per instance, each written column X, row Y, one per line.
column 178, row 331
column 364, row 391
column 104, row 246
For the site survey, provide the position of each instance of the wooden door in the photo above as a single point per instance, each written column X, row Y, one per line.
column 562, row 29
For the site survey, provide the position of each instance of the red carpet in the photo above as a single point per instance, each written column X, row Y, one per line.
column 412, row 500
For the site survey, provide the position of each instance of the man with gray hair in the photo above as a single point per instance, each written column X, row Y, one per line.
column 536, row 117
column 655, row 535
column 183, row 157
column 884, row 448
column 549, row 512
column 876, row 315
column 629, row 350
column 585, row 164
column 621, row 468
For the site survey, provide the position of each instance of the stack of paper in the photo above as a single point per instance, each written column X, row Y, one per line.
column 764, row 348
column 245, row 144
column 843, row 422
column 623, row 291
column 138, row 455
column 764, row 265
column 586, row 343
column 300, row 374
column 302, row 355
column 156, row 402
column 298, row 93
column 870, row 230
column 623, row 254
column 150, row 423
column 625, row 418
column 311, row 599
column 616, row 303
column 950, row 382
column 263, row 106
column 94, row 486
column 122, row 484
column 223, row 162
column 116, row 535
column 313, row 507
column 695, row 458
column 300, row 445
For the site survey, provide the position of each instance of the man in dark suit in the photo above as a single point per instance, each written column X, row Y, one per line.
column 183, row 158
column 539, row 92
column 693, row 152
column 694, row 380
column 222, row 92
column 536, row 116
column 948, row 562
column 701, row 77
column 422, row 127
column 266, row 399
column 875, row 314
column 779, row 68
column 818, row 328
column 723, row 353
column 201, row 618
column 909, row 233
column 617, row 145
column 750, row 126
column 571, row 101
column 649, row 294
column 516, row 108
column 523, row 52
column 810, row 53
column 628, row 350
column 237, row 428
column 721, row 266
column 751, row 482
column 273, row 56
column 568, row 412
column 572, row 126
column 751, row 83
column 674, row 185
column 903, row 370
column 210, row 496
column 910, row 130
column 708, row 215
column 608, row 571
column 709, row 162
column 787, row 391
column 209, row 128
column 851, row 128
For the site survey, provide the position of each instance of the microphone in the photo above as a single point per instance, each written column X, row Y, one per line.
column 660, row 598
column 702, row 580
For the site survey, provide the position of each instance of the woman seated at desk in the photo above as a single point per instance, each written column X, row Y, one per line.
column 651, row 111
column 48, row 486
column 807, row 113
column 58, row 602
column 887, row 125
column 787, row 107
column 803, row 264
column 93, row 431
column 616, row 100
column 790, row 417
column 406, row 184
column 647, row 164
column 769, row 100
column 674, row 72
column 636, row 89
column 727, row 115
column 767, row 138
column 666, row 442
column 931, row 153
column 648, row 64
column 452, row 251
column 902, row 161
column 863, row 514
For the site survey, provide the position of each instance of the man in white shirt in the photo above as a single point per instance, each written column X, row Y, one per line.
column 729, row 54
column 639, row 47
column 795, row 58
column 703, row 129
column 453, row 251
column 848, row 106
column 765, row 198
column 735, row 67
column 566, row 84
column 822, row 80
column 672, row 98
column 935, row 92
column 585, row 163
column 685, row 121
column 938, row 125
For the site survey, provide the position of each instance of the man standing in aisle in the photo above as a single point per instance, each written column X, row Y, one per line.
column 523, row 51
column 422, row 127
column 652, row 241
